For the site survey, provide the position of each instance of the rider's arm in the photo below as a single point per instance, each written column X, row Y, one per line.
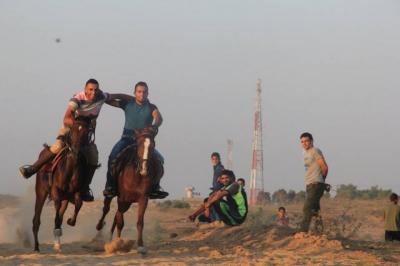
column 69, row 116
column 118, row 99
column 157, row 118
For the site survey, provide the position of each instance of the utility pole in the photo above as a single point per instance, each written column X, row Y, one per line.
column 229, row 163
column 257, row 164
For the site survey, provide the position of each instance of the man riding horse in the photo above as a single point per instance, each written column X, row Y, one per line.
column 86, row 104
column 139, row 114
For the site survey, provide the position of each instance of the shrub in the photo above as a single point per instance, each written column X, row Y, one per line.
column 258, row 218
column 350, row 191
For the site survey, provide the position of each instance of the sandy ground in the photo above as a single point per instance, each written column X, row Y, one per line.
column 353, row 235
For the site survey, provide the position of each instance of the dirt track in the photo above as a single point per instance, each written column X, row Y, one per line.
column 257, row 242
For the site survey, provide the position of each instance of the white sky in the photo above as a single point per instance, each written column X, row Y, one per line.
column 328, row 67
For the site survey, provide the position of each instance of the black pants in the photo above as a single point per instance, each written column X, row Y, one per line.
column 392, row 235
column 228, row 212
column 311, row 205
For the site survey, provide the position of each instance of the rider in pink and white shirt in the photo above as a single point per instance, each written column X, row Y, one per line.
column 85, row 104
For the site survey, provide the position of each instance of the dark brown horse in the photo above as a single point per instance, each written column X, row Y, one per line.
column 137, row 176
column 63, row 182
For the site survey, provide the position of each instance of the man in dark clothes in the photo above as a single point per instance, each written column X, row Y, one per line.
column 217, row 167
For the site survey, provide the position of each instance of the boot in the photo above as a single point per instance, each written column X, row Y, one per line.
column 45, row 156
column 158, row 193
column 86, row 193
column 110, row 191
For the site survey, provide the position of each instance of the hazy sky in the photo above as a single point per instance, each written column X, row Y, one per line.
column 328, row 67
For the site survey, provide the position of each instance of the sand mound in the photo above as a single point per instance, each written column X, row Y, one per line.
column 119, row 244
column 306, row 241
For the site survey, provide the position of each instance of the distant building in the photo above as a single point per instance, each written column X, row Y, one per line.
column 190, row 192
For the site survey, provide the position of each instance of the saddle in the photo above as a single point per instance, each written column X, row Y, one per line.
column 51, row 166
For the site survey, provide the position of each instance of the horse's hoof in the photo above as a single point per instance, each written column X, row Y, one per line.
column 71, row 222
column 142, row 250
column 100, row 226
column 37, row 250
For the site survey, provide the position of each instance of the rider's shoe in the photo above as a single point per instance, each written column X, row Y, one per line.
column 87, row 195
column 109, row 192
column 45, row 156
column 158, row 193
column 27, row 171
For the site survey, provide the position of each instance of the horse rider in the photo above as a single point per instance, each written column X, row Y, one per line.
column 139, row 114
column 85, row 104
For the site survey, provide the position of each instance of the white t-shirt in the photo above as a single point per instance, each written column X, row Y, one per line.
column 313, row 170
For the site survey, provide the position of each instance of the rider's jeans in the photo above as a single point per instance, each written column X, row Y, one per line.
column 118, row 147
column 124, row 142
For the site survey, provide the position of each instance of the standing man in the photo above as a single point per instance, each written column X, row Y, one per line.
column 218, row 168
column 316, row 172
column 139, row 114
column 86, row 104
column 391, row 216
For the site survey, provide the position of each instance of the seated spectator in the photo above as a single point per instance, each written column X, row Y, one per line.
column 391, row 217
column 230, row 202
column 281, row 218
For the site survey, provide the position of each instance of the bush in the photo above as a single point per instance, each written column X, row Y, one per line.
column 300, row 196
column 342, row 226
column 350, row 191
column 258, row 218
column 263, row 197
column 280, row 196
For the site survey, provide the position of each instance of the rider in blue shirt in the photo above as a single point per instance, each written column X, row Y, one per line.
column 139, row 114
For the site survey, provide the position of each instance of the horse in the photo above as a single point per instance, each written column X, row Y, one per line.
column 138, row 174
column 63, row 181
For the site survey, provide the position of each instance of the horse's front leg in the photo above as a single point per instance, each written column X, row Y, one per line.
column 78, row 205
column 60, row 206
column 41, row 194
column 106, row 209
column 140, row 224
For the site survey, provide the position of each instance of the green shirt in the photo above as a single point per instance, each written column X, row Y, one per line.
column 392, row 217
column 238, row 196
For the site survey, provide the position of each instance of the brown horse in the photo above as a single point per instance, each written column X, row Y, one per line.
column 63, row 182
column 137, row 176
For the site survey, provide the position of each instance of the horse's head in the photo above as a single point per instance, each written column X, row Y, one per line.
column 79, row 135
column 145, row 147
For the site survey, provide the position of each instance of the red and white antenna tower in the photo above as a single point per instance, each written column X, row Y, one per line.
column 229, row 164
column 256, row 176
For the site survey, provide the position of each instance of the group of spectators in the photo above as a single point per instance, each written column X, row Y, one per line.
column 227, row 203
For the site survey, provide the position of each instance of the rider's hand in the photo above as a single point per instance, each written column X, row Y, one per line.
column 154, row 129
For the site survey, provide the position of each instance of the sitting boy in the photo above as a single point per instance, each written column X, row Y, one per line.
column 281, row 218
column 230, row 202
